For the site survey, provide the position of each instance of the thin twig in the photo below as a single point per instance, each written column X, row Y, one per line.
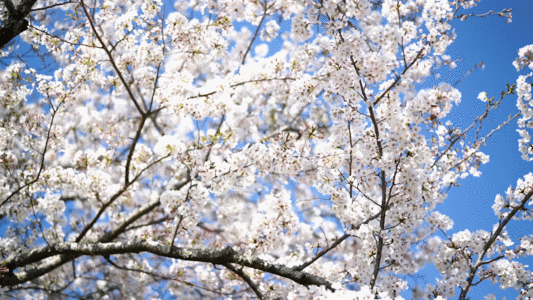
column 256, row 32
column 247, row 279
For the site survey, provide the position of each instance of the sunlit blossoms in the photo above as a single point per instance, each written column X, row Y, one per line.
column 246, row 149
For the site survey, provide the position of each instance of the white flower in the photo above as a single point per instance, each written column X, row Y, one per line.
column 270, row 32
column 482, row 96
column 498, row 204
column 168, row 144
column 261, row 50
column 524, row 58
column 171, row 198
column 301, row 29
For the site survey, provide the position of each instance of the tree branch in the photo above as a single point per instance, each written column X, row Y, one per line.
column 214, row 256
column 15, row 23
column 246, row 278
column 335, row 244
column 488, row 244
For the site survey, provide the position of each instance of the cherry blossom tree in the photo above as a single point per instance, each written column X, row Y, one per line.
column 246, row 149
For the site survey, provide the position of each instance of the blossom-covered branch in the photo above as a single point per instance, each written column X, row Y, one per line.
column 214, row 256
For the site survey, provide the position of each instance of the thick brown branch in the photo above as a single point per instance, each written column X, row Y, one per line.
column 60, row 251
column 11, row 29
column 15, row 23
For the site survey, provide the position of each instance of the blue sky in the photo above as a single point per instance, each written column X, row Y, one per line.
column 495, row 43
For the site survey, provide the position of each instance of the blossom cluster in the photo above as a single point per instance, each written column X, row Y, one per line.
column 290, row 131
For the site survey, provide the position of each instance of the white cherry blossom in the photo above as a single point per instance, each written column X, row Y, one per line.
column 246, row 149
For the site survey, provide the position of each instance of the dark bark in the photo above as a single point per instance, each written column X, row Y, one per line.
column 224, row 256
column 15, row 23
column 6, row 276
